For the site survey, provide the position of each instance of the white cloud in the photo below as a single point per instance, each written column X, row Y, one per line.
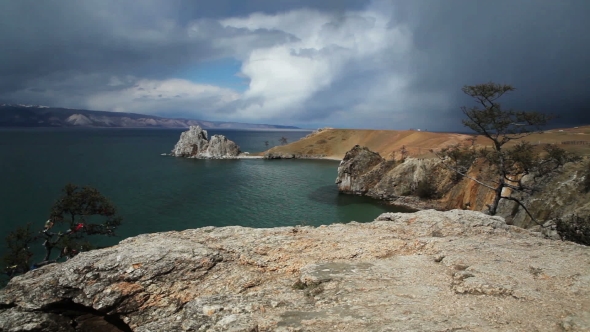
column 302, row 65
column 357, row 49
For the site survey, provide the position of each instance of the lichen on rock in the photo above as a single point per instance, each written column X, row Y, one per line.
column 423, row 271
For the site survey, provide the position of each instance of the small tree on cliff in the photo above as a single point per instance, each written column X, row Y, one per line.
column 80, row 212
column 501, row 126
column 283, row 140
column 404, row 153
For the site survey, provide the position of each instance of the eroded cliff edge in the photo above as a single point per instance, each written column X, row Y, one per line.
column 363, row 172
column 424, row 271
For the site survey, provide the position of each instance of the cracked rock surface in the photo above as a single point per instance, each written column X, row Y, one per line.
column 424, row 271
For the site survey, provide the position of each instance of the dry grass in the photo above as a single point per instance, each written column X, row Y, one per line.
column 334, row 143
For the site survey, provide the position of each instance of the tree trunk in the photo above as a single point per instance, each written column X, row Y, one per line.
column 497, row 197
column 48, row 247
column 501, row 181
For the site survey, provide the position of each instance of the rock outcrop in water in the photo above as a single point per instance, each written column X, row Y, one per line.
column 357, row 173
column 424, row 271
column 364, row 172
column 194, row 143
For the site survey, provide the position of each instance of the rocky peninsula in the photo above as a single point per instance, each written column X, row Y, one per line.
column 194, row 143
column 371, row 166
column 364, row 172
column 424, row 271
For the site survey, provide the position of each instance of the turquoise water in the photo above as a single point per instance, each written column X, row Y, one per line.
column 156, row 193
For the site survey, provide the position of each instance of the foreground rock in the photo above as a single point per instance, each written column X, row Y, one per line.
column 425, row 271
column 194, row 143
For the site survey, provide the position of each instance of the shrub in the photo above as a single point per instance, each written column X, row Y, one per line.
column 586, row 182
column 81, row 212
column 577, row 229
column 426, row 190
column 405, row 190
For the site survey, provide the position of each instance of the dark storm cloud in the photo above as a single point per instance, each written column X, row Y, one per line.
column 70, row 53
column 55, row 38
column 45, row 41
column 42, row 37
column 541, row 47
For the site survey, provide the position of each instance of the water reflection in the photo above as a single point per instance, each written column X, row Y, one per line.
column 331, row 196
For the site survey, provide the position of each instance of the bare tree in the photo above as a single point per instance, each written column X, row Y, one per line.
column 403, row 152
column 500, row 126
column 283, row 140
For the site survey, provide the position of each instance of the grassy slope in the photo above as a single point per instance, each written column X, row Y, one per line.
column 334, row 143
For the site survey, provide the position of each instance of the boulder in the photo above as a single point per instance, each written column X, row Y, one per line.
column 194, row 143
column 356, row 173
column 424, row 271
column 191, row 143
column 220, row 146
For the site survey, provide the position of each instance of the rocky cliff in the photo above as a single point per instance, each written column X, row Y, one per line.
column 424, row 271
column 194, row 143
column 363, row 172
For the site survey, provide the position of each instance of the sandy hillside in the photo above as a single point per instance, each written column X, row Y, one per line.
column 334, row 143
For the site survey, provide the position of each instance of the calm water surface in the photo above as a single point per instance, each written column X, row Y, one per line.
column 160, row 193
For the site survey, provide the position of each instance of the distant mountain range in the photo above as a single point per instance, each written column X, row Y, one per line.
column 45, row 116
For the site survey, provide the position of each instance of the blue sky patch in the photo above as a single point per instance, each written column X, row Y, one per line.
column 222, row 73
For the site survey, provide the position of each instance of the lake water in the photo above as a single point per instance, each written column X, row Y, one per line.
column 155, row 193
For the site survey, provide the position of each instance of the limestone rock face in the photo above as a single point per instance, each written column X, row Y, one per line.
column 362, row 172
column 558, row 194
column 191, row 143
column 357, row 173
column 425, row 271
column 194, row 143
column 220, row 146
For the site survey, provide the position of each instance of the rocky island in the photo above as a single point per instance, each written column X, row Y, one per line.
column 194, row 143
column 424, row 271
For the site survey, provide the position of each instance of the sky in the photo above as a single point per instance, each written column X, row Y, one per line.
column 382, row 64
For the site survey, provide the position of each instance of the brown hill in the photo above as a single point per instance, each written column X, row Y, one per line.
column 334, row 143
